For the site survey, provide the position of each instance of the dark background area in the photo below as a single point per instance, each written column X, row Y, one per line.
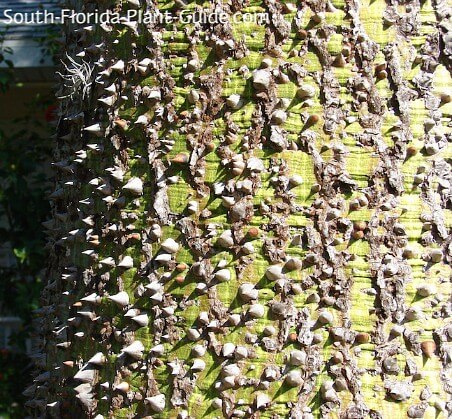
column 27, row 118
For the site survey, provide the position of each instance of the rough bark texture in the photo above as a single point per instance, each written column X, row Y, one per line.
column 306, row 157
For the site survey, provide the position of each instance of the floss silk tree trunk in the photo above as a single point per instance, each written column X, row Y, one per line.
column 251, row 218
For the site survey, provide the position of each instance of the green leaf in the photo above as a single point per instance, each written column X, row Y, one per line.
column 21, row 254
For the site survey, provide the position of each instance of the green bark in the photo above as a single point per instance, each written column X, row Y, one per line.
column 306, row 156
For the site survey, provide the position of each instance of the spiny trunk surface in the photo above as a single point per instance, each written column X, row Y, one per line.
column 252, row 220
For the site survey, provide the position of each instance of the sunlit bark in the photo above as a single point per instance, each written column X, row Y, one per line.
column 250, row 219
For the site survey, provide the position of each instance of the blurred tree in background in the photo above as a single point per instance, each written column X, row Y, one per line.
column 25, row 150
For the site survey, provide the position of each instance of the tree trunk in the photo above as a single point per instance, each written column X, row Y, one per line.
column 250, row 218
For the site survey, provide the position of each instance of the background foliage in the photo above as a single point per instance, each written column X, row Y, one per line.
column 25, row 151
